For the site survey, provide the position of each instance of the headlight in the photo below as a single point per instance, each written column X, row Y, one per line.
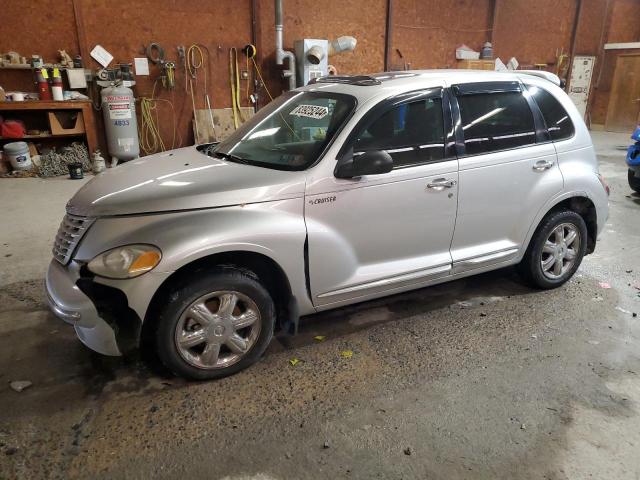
column 125, row 262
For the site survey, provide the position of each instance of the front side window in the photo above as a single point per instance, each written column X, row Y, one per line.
column 291, row 132
column 412, row 133
column 496, row 121
column 558, row 122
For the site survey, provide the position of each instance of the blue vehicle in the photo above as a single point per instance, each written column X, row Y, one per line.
column 633, row 161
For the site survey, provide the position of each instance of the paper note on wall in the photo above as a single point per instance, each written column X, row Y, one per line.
column 101, row 56
column 142, row 65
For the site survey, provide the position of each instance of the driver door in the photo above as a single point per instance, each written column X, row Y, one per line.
column 376, row 234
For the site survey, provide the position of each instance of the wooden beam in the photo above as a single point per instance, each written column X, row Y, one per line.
column 493, row 22
column 597, row 74
column 574, row 36
column 574, row 31
column 388, row 36
column 83, row 46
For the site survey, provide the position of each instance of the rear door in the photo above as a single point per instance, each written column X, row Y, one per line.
column 508, row 171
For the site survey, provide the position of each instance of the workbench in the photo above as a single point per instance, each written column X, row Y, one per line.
column 84, row 106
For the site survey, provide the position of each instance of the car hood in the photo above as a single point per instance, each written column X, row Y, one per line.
column 181, row 179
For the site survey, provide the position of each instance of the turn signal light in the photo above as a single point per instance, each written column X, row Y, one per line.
column 144, row 263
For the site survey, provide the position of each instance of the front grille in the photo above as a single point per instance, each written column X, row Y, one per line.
column 69, row 234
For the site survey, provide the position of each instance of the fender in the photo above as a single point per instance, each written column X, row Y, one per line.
column 273, row 229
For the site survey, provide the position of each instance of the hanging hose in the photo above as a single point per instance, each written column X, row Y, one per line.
column 234, row 82
column 149, row 53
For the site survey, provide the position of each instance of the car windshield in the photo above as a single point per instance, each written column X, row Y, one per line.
column 290, row 133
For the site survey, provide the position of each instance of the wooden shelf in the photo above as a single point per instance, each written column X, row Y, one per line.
column 84, row 106
column 49, row 135
column 23, row 66
column 20, row 66
column 46, row 105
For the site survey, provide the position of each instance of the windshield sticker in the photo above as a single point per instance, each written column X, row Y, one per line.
column 310, row 111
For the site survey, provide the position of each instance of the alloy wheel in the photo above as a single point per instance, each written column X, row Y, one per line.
column 218, row 329
column 560, row 251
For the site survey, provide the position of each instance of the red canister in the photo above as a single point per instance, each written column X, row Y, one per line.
column 44, row 91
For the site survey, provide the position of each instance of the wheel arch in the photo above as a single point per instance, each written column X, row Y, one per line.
column 580, row 203
column 258, row 265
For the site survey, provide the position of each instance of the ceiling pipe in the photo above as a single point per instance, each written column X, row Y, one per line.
column 281, row 53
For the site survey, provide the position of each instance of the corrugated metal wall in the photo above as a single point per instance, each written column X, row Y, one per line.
column 424, row 35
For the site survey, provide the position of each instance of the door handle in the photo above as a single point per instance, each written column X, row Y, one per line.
column 542, row 165
column 441, row 183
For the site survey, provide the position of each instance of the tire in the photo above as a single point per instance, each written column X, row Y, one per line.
column 532, row 268
column 198, row 336
column 634, row 182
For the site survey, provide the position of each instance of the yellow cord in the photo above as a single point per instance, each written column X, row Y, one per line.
column 234, row 82
column 271, row 98
column 232, row 88
column 149, row 136
column 260, row 77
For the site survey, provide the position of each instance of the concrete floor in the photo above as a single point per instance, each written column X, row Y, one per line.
column 479, row 378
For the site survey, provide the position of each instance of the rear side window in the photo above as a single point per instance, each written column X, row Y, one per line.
column 558, row 122
column 412, row 133
column 496, row 121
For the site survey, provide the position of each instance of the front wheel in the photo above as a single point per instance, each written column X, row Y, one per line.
column 556, row 250
column 215, row 326
column 634, row 182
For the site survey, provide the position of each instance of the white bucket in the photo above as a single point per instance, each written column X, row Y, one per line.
column 18, row 154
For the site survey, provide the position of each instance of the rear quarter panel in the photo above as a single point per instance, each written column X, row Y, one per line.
column 577, row 160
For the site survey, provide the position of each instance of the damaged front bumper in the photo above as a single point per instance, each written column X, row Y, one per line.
column 68, row 302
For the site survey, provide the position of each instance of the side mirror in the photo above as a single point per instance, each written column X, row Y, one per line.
column 374, row 162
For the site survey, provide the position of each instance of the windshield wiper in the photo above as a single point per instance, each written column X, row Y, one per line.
column 233, row 158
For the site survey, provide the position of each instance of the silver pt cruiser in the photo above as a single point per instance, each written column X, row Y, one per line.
column 349, row 189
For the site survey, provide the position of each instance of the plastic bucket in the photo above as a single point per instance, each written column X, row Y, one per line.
column 18, row 155
column 75, row 170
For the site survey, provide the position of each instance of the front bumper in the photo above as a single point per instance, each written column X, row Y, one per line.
column 70, row 304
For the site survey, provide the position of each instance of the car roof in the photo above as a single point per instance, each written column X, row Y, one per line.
column 385, row 84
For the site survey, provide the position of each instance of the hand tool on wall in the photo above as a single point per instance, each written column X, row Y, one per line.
column 183, row 61
column 169, row 75
column 195, row 62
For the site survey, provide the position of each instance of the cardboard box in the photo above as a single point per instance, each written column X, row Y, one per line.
column 477, row 64
column 66, row 123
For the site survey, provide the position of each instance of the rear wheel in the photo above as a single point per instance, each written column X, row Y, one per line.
column 215, row 326
column 556, row 250
column 634, row 182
